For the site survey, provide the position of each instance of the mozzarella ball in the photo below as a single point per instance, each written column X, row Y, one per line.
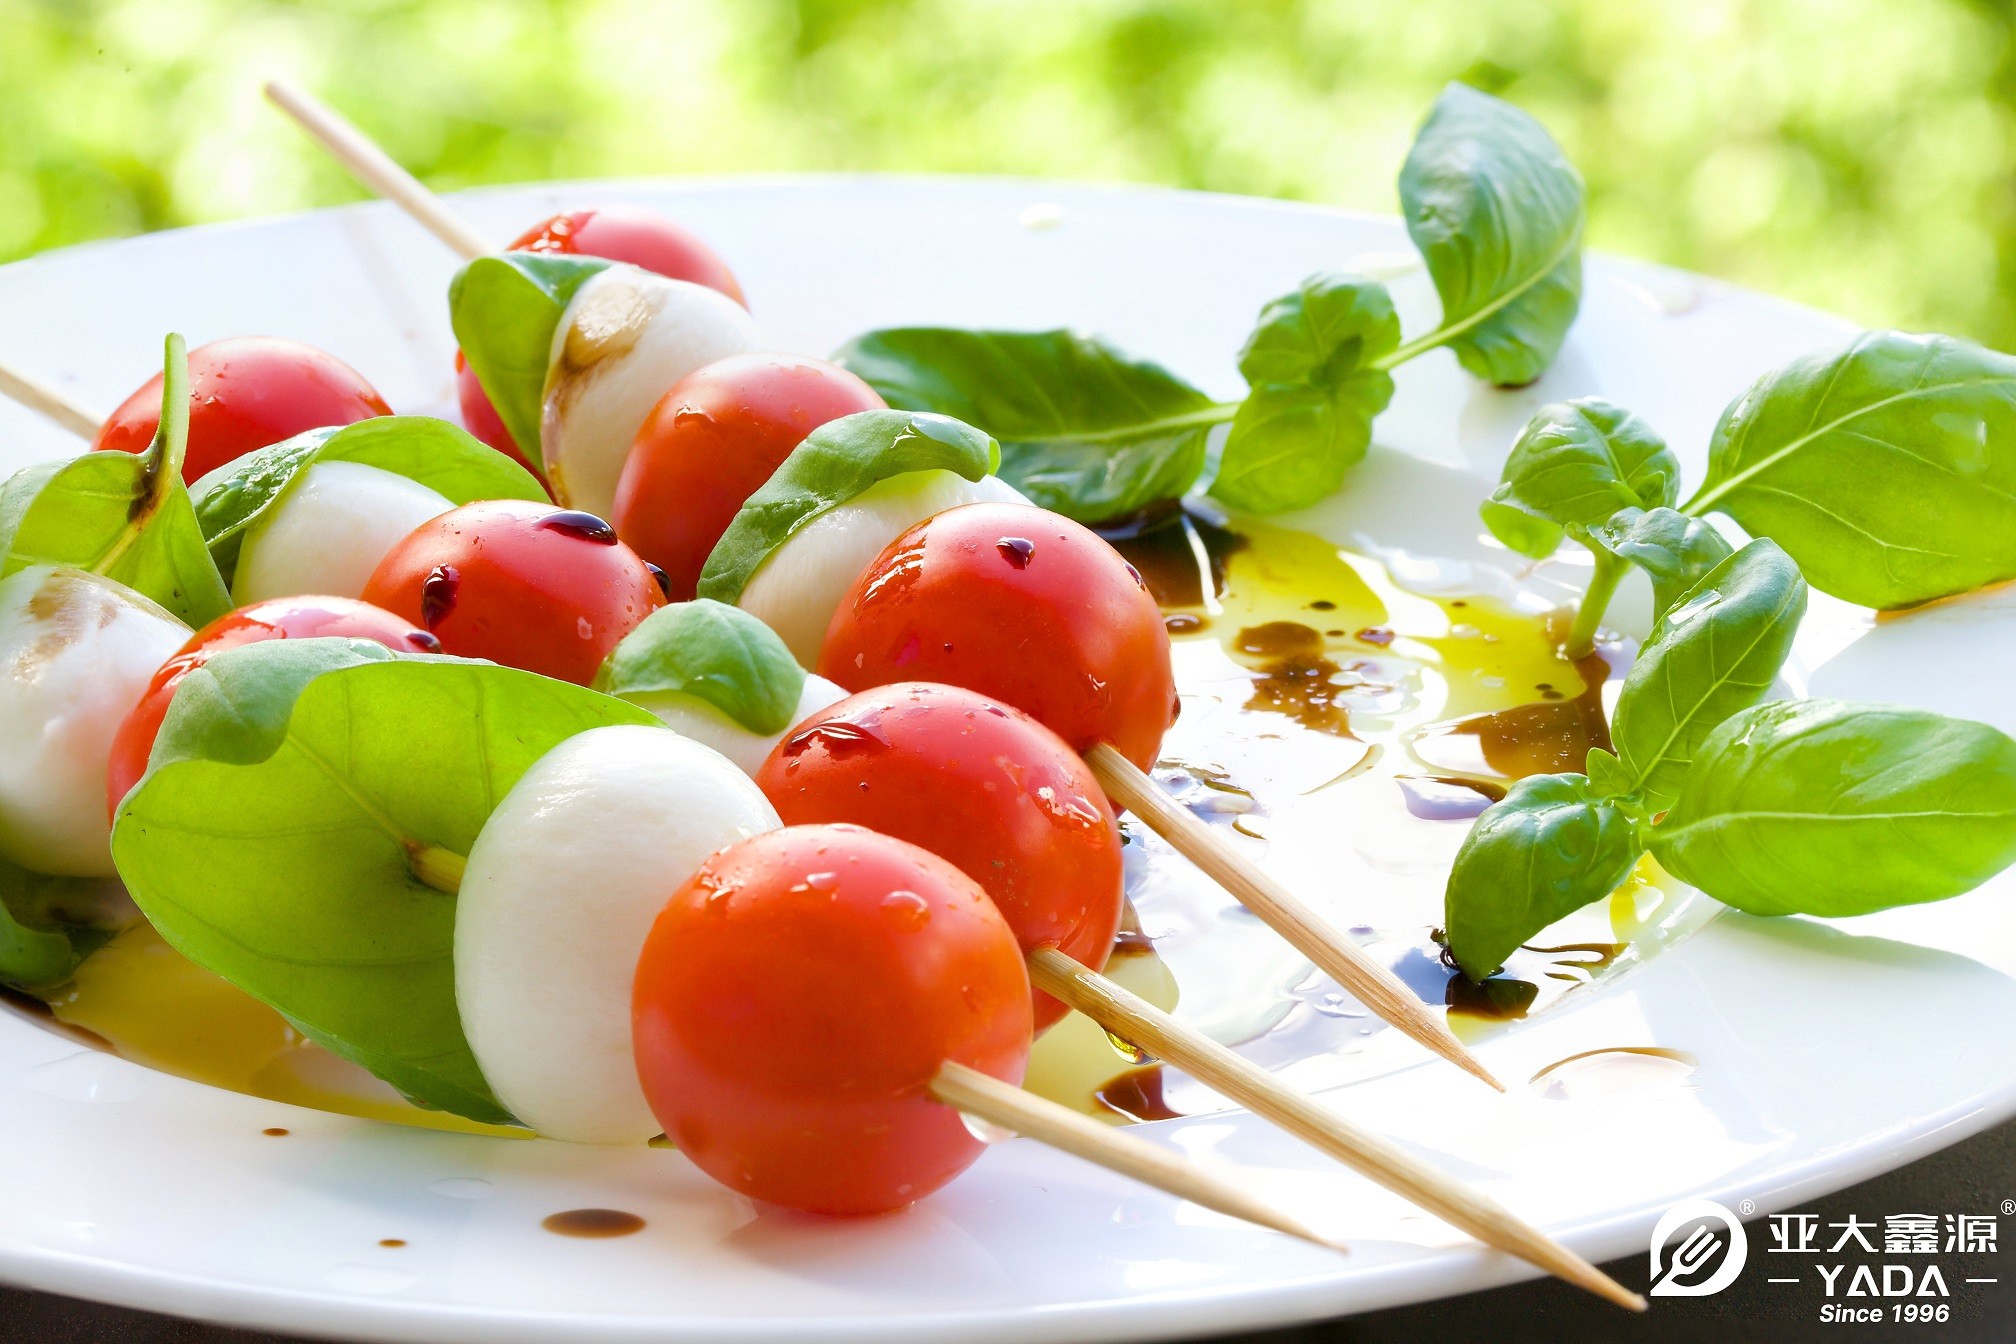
column 329, row 531
column 695, row 718
column 798, row 587
column 625, row 339
column 562, row 886
column 76, row 651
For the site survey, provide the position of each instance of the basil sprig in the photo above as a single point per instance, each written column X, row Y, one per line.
column 835, row 462
column 307, row 808
column 712, row 652
column 505, row 309
column 122, row 515
column 1094, row 433
column 443, row 457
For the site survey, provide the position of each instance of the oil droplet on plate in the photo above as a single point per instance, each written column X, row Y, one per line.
column 985, row 1130
column 1614, row 1069
column 592, row 1223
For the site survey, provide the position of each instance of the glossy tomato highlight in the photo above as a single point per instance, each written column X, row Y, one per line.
column 1022, row 605
column 982, row 786
column 245, row 393
column 796, row 997
column 712, row 441
column 280, row 618
column 521, row 583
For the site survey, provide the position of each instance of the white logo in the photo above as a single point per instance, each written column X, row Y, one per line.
column 1713, row 1228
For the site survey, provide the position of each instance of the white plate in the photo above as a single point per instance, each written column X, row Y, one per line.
column 1827, row 1053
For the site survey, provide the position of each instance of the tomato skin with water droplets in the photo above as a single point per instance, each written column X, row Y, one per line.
column 278, row 618
column 985, row 787
column 525, row 584
column 245, row 393
column 1022, row 605
column 796, row 997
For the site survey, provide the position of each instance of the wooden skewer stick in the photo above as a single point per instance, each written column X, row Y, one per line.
column 1147, row 1027
column 1377, row 988
column 988, row 1098
column 375, row 169
column 40, row 397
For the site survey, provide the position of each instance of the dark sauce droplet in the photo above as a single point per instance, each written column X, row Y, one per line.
column 580, row 523
column 1322, row 604
column 392, row 1243
column 1137, row 1094
column 1016, row 550
column 1139, row 582
column 1182, row 623
column 424, row 642
column 593, row 1223
column 437, row 594
column 275, row 1133
column 664, row 579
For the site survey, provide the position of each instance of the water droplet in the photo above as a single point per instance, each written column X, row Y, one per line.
column 583, row 628
column 579, row 523
column 822, row 881
column 986, row 1130
column 906, row 909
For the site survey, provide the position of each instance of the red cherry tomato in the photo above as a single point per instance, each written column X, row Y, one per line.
column 529, row 585
column 625, row 233
column 1020, row 604
column 984, row 787
column 711, row 441
column 796, row 997
column 245, row 393
column 278, row 618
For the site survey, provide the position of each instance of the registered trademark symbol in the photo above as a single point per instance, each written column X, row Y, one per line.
column 1749, row 1206
column 2009, row 1206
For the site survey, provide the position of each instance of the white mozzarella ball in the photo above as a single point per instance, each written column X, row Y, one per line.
column 798, row 587
column 695, row 718
column 563, row 884
column 329, row 531
column 626, row 337
column 76, row 651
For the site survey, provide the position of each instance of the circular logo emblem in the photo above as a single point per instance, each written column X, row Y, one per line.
column 1708, row 1250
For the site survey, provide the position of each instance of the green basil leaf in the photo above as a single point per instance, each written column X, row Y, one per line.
column 50, row 924
column 1887, row 469
column 123, row 515
column 298, row 787
column 443, row 457
column 1574, row 466
column 1315, row 392
column 1497, row 214
column 505, row 309
column 836, row 462
column 1543, row 851
column 1676, row 551
column 713, row 652
column 1085, row 429
column 1825, row 807
column 1717, row 651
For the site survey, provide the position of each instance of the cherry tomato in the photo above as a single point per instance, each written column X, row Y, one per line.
column 529, row 585
column 713, row 439
column 625, row 233
column 1020, row 604
column 982, row 786
column 278, row 618
column 480, row 418
column 796, row 997
column 245, row 393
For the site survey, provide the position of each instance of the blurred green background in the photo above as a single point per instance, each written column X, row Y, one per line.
column 1855, row 154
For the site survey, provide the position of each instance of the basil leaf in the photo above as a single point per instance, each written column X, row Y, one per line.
column 1497, row 214
column 1574, row 466
column 1825, row 807
column 713, row 652
column 1675, row 550
column 297, row 788
column 50, row 924
column 1888, row 469
column 1085, row 429
column 1315, row 391
column 505, row 309
column 836, row 462
column 1543, row 851
column 1717, row 651
column 443, row 457
column 123, row 515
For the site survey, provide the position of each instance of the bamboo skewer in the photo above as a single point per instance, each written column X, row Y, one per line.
column 40, row 397
column 375, row 169
column 988, row 1098
column 1147, row 1027
column 1377, row 988
column 1373, row 985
